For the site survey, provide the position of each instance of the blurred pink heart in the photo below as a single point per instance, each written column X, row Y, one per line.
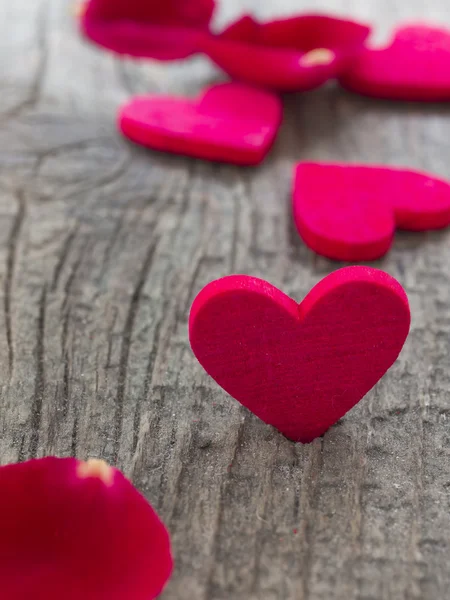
column 164, row 30
column 229, row 123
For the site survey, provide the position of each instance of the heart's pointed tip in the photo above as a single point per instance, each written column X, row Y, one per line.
column 305, row 440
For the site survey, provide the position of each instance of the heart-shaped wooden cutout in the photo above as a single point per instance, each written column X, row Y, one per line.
column 294, row 54
column 350, row 212
column 164, row 30
column 300, row 367
column 230, row 123
column 415, row 66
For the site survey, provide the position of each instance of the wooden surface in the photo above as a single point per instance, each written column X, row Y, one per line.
column 103, row 247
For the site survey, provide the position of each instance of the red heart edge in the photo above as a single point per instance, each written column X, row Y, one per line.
column 349, row 212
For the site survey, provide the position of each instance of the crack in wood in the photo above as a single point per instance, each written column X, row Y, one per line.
column 10, row 269
column 126, row 345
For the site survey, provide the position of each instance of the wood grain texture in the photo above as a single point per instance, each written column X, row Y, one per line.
column 103, row 247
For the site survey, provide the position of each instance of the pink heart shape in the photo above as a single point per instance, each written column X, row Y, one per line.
column 167, row 30
column 415, row 66
column 228, row 122
column 299, row 53
column 300, row 367
column 350, row 212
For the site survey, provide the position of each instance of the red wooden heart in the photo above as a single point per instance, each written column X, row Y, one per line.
column 164, row 30
column 350, row 212
column 229, row 123
column 415, row 66
column 294, row 54
column 300, row 367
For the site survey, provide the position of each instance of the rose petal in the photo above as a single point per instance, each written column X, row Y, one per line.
column 78, row 530
column 167, row 30
column 272, row 54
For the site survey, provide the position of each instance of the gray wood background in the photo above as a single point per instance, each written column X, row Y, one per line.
column 103, row 247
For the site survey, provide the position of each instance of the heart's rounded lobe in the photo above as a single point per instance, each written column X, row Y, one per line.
column 415, row 66
column 300, row 367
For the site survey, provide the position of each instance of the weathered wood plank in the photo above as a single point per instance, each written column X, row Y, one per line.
column 103, row 247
